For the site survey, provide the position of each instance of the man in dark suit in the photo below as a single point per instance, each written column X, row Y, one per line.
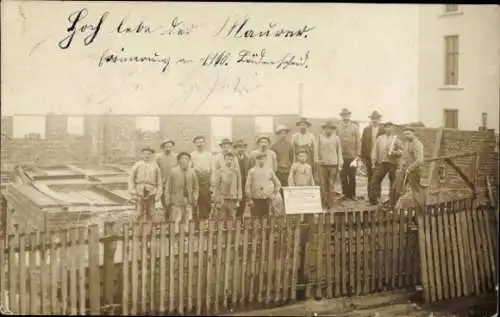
column 244, row 163
column 368, row 138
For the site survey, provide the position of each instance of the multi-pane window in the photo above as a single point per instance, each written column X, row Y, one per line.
column 484, row 120
column 450, row 118
column 451, row 8
column 451, row 60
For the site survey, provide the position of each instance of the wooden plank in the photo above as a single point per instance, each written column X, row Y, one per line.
column 237, row 270
column 432, row 295
column 289, row 230
column 134, row 269
column 244, row 260
column 270, row 260
column 373, row 250
column 278, row 286
column 442, row 250
column 33, row 285
column 125, row 270
column 478, row 239
column 208, row 299
column 450, row 256
column 200, row 271
column 489, row 237
column 296, row 257
column 343, row 253
column 423, row 254
column 82, row 233
column 403, row 249
column 54, row 287
column 359, row 252
column 3, row 277
column 43, row 275
column 329, row 260
column 227, row 264
column 218, row 264
column 483, row 226
column 94, row 272
column 190, row 272
column 395, row 233
column 152, row 265
column 23, row 298
column 180, row 268
column 163, row 245
column 73, row 284
column 472, row 245
column 12, row 271
column 459, row 171
column 386, row 247
column 435, row 154
column 171, row 266
column 453, row 242
column 143, row 269
column 262, row 262
column 380, row 249
column 351, row 269
column 253, row 261
column 463, row 243
column 319, row 255
column 436, row 253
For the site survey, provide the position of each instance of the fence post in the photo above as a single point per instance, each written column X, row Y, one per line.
column 109, row 263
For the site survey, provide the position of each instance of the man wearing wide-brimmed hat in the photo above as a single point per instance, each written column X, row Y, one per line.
column 181, row 191
column 368, row 139
column 145, row 183
column 263, row 143
column 329, row 159
column 226, row 145
column 304, row 140
column 201, row 160
column 385, row 159
column 240, row 147
column 348, row 132
column 166, row 161
column 284, row 154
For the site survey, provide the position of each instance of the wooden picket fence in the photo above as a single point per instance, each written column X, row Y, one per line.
column 362, row 252
column 458, row 250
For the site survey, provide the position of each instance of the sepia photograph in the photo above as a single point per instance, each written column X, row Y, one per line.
column 249, row 159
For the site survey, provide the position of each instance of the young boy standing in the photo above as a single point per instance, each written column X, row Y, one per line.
column 228, row 191
column 145, row 183
column 261, row 186
column 301, row 172
column 181, row 191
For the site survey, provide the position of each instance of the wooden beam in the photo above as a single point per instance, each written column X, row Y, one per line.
column 435, row 154
column 457, row 169
column 451, row 156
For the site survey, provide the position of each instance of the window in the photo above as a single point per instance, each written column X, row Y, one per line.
column 451, row 118
column 451, row 8
column 222, row 127
column 76, row 125
column 264, row 125
column 484, row 120
column 29, row 127
column 147, row 128
column 451, row 60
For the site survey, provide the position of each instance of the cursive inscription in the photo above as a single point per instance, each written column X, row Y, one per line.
column 140, row 28
column 261, row 58
column 155, row 58
column 241, row 28
column 77, row 26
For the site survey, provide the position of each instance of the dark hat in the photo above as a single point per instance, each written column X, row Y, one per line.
column 303, row 120
column 282, row 127
column 240, row 143
column 198, row 137
column 408, row 128
column 375, row 114
column 181, row 154
column 231, row 154
column 162, row 145
column 329, row 124
column 388, row 124
column 226, row 141
column 148, row 149
column 344, row 112
column 260, row 154
column 263, row 137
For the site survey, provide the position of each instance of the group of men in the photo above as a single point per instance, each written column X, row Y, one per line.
column 237, row 181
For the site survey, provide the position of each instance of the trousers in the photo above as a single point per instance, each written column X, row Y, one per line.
column 181, row 214
column 327, row 179
column 227, row 209
column 261, row 207
column 369, row 174
column 348, row 179
column 381, row 170
column 413, row 181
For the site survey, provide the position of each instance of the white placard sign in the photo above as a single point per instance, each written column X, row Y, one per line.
column 302, row 200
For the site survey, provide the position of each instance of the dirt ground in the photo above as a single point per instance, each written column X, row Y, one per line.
column 403, row 304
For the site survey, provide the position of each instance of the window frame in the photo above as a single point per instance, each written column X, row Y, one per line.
column 447, row 111
column 451, row 60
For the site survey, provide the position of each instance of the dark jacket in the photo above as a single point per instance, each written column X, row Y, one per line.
column 367, row 143
column 245, row 166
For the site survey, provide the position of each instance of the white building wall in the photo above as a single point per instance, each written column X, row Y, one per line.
column 478, row 27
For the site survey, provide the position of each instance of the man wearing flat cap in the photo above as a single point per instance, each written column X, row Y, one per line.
column 166, row 161
column 263, row 143
column 181, row 191
column 284, row 154
column 385, row 159
column 330, row 160
column 201, row 160
column 368, row 139
column 304, row 140
column 348, row 132
column 412, row 158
